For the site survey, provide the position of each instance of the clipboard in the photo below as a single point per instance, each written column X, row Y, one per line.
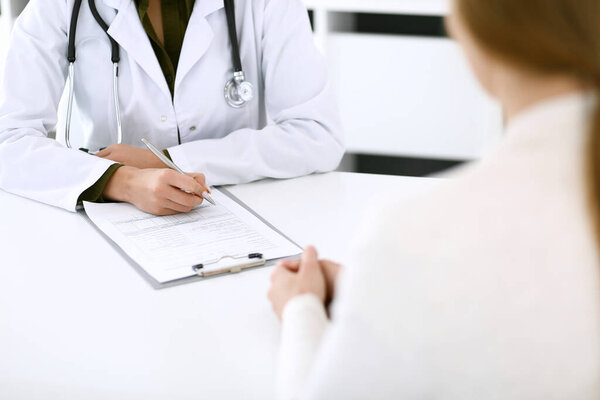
column 209, row 269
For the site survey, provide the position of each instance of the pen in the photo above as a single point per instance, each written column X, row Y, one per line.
column 172, row 165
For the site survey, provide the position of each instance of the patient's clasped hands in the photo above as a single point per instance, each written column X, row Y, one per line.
column 309, row 275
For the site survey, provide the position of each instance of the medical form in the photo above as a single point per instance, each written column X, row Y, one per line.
column 168, row 247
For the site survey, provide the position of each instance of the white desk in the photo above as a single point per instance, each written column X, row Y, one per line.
column 78, row 322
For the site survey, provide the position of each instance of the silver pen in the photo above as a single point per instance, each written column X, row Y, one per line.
column 172, row 165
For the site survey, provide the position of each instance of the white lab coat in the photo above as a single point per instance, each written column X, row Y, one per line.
column 292, row 127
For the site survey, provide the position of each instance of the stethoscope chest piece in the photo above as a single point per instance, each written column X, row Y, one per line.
column 238, row 91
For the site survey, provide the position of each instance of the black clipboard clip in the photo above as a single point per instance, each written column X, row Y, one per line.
column 239, row 264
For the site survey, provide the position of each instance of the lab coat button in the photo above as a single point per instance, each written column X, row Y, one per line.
column 163, row 118
column 192, row 128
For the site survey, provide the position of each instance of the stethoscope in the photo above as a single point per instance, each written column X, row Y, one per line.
column 238, row 91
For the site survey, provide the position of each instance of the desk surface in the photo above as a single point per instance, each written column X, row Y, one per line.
column 78, row 321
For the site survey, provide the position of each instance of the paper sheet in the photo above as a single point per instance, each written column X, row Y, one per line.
column 168, row 247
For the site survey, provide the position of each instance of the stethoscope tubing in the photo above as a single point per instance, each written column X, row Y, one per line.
column 238, row 92
column 72, row 57
column 235, row 43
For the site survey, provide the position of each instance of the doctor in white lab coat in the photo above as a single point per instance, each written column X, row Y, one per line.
column 290, row 129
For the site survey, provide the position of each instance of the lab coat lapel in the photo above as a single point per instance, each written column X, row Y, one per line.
column 129, row 33
column 198, row 37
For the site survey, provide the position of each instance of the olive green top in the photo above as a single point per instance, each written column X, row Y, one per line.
column 176, row 16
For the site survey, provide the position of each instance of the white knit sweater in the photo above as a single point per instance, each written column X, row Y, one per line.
column 487, row 287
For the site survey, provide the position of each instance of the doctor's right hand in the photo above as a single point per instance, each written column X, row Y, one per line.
column 156, row 191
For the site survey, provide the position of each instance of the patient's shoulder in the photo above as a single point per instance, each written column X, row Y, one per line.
column 483, row 221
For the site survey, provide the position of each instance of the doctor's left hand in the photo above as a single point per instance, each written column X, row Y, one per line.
column 131, row 156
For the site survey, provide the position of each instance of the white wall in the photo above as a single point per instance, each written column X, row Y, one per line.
column 401, row 95
column 411, row 97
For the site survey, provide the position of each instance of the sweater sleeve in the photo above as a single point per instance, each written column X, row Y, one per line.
column 95, row 193
column 304, row 323
column 305, row 135
column 33, row 165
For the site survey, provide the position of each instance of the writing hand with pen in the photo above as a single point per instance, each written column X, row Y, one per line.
column 150, row 186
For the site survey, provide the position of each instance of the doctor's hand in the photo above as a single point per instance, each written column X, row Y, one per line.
column 287, row 284
column 156, row 191
column 131, row 156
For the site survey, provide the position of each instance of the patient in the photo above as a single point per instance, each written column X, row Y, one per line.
column 489, row 286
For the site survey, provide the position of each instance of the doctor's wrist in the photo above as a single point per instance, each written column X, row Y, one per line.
column 119, row 186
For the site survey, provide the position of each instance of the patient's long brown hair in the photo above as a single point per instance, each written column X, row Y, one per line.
column 549, row 36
